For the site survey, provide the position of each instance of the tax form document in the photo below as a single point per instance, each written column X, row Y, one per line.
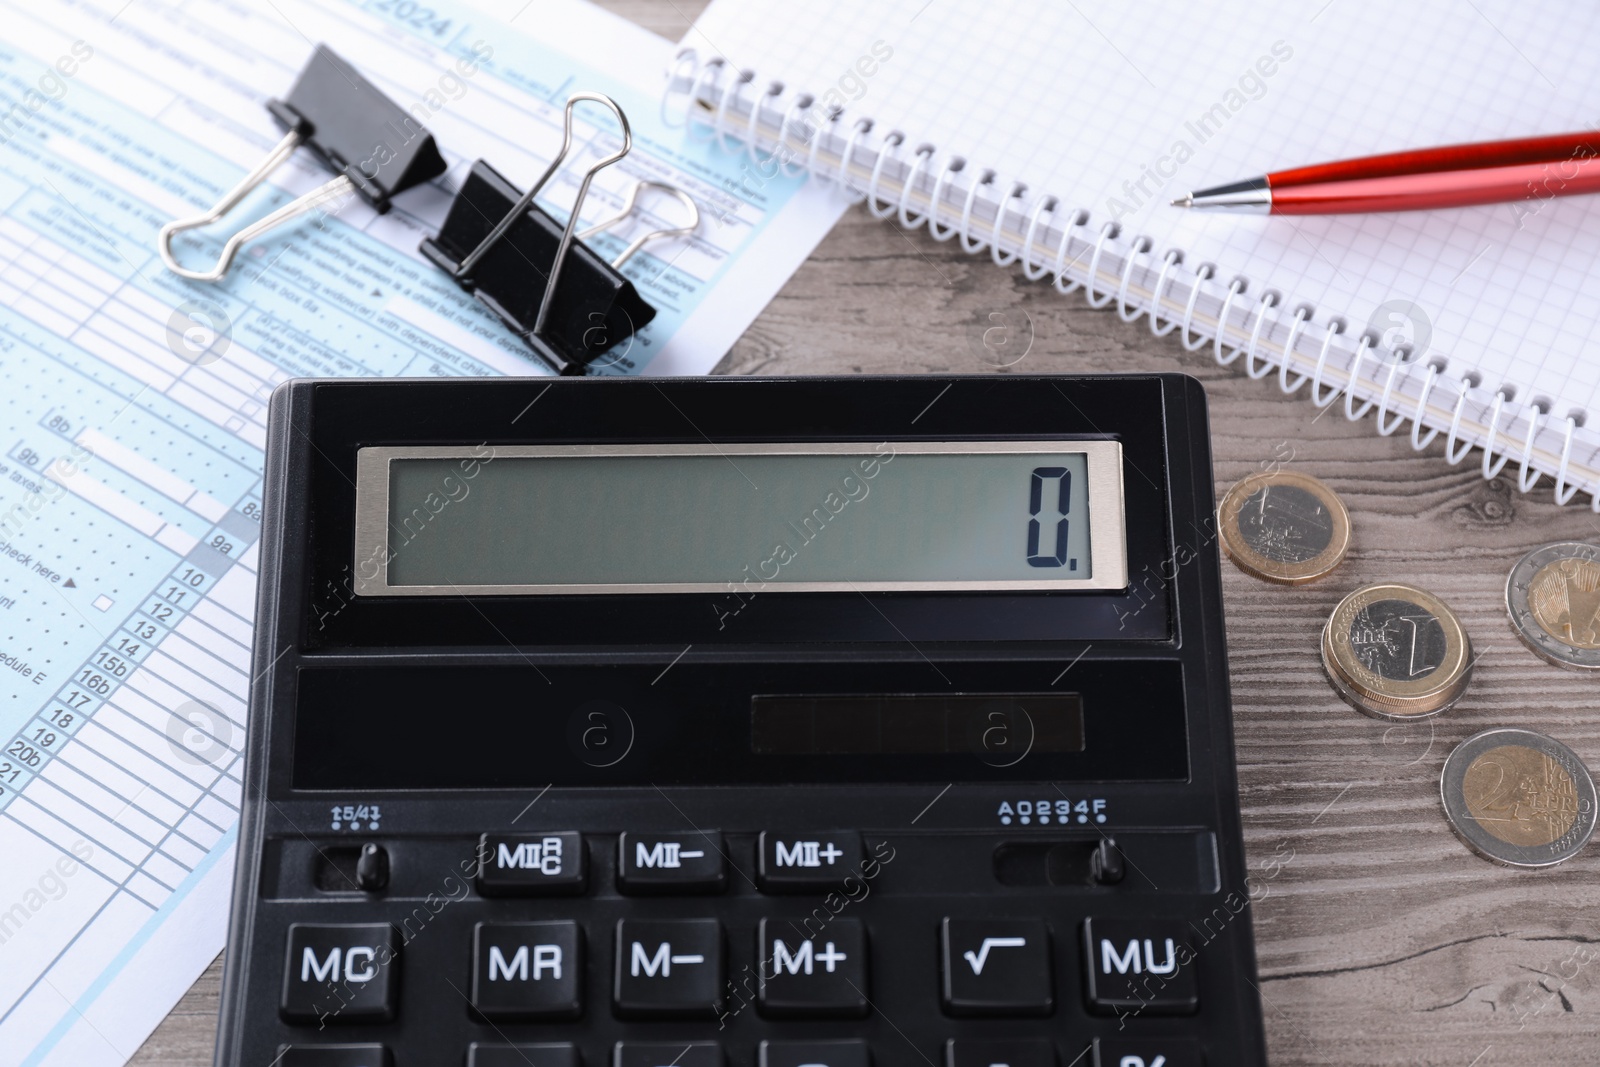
column 132, row 409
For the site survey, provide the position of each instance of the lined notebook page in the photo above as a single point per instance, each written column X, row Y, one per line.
column 1117, row 108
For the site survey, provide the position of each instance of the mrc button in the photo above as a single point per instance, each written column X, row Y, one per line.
column 1139, row 966
column 799, row 863
column 337, row 973
column 531, row 864
column 671, row 863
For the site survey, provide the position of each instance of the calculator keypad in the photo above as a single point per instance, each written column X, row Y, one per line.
column 669, row 968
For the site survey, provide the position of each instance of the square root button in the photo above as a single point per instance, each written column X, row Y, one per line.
column 996, row 967
column 1140, row 966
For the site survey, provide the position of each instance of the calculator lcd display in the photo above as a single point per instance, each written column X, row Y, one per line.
column 758, row 518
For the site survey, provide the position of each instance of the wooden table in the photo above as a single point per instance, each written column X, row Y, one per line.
column 1382, row 940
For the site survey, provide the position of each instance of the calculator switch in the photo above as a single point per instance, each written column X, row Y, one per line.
column 996, row 967
column 372, row 868
column 527, row 970
column 1144, row 1052
column 806, row 973
column 1140, row 965
column 1023, row 1052
column 546, row 1054
column 669, row 968
column 844, row 1053
column 800, row 863
column 671, row 863
column 539, row 864
column 336, row 973
column 667, row 1054
column 332, row 1056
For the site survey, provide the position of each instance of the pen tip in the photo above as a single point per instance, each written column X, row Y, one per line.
column 1187, row 200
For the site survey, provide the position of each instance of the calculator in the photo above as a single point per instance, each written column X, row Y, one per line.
column 740, row 722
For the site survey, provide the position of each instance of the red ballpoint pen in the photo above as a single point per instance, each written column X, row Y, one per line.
column 1533, row 168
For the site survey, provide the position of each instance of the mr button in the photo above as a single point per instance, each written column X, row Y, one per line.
column 527, row 970
column 807, row 862
column 530, row 864
column 1140, row 965
column 996, row 967
column 669, row 967
column 340, row 973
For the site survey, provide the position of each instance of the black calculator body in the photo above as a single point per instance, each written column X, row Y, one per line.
column 740, row 722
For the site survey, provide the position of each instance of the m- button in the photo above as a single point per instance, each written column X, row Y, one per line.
column 802, row 863
column 669, row 968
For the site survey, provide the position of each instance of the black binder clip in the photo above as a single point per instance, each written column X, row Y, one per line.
column 375, row 147
column 538, row 276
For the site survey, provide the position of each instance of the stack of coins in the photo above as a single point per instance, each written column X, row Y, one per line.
column 1395, row 652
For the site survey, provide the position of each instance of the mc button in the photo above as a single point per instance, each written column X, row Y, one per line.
column 338, row 973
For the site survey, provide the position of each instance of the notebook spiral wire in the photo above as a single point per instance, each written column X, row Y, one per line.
column 706, row 94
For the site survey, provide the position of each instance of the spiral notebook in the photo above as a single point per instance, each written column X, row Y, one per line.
column 1058, row 134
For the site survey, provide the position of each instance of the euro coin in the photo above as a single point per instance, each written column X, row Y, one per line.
column 1284, row 527
column 1553, row 597
column 1518, row 798
column 1396, row 652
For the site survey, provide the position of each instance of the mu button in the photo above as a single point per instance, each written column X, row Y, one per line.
column 800, row 863
column 669, row 968
column 335, row 973
column 996, row 967
column 527, row 970
column 1140, row 965
column 815, row 973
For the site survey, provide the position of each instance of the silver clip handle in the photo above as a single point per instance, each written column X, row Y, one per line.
column 299, row 206
column 628, row 208
column 466, row 265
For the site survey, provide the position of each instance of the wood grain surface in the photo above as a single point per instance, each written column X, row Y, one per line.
column 1382, row 940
